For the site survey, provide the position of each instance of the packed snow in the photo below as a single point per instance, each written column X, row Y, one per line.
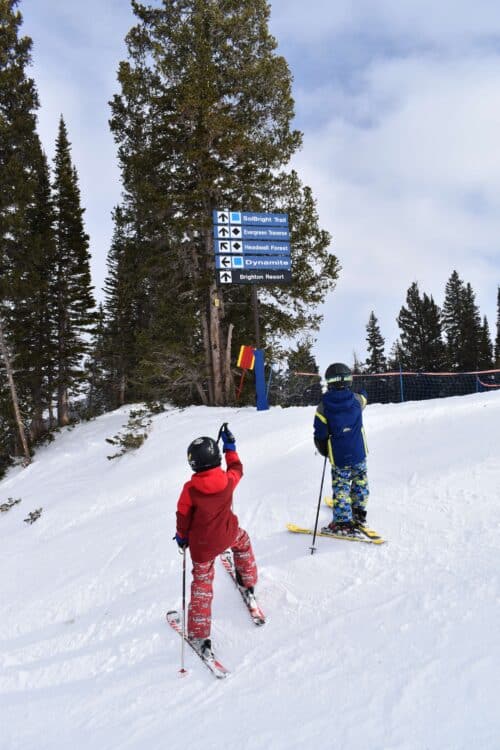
column 392, row 647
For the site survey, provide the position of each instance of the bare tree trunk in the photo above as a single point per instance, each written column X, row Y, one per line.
column 37, row 426
column 121, row 390
column 208, row 359
column 15, row 403
column 216, row 349
column 228, row 380
column 62, row 386
column 62, row 406
column 201, row 393
column 52, row 419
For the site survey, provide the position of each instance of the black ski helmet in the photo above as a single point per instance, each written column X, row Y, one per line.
column 338, row 376
column 203, row 453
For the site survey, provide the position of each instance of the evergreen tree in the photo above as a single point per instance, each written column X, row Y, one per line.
column 376, row 361
column 300, row 388
column 32, row 317
column 100, row 394
column 422, row 347
column 462, row 326
column 26, row 240
column 497, row 340
column 485, row 347
column 394, row 360
column 122, row 310
column 203, row 122
column 357, row 366
column 452, row 320
column 471, row 333
column 73, row 289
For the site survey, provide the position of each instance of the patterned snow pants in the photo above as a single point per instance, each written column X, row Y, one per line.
column 200, row 606
column 349, row 490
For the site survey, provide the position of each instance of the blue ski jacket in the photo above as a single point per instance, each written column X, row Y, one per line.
column 338, row 427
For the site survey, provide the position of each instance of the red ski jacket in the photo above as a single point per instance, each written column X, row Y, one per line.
column 204, row 514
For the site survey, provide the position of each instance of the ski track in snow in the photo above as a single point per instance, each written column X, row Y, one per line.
column 365, row 648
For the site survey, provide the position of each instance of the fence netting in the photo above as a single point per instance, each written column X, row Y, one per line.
column 305, row 389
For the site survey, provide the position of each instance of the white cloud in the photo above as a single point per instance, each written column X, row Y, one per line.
column 425, row 20
column 413, row 196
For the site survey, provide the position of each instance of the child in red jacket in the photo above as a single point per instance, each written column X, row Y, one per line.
column 206, row 523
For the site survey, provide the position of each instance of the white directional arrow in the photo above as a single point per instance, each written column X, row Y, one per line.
column 225, row 261
column 225, row 277
column 222, row 217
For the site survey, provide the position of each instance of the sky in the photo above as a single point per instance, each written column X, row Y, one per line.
column 400, row 111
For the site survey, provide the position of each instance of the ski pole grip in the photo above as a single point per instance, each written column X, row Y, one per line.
column 221, row 430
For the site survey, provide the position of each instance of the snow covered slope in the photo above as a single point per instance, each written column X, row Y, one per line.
column 366, row 648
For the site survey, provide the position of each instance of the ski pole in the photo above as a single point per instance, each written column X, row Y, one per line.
column 222, row 428
column 313, row 548
column 182, row 670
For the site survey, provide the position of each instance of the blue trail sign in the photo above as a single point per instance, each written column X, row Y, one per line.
column 251, row 247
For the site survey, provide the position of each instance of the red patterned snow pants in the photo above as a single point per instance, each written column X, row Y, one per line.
column 200, row 606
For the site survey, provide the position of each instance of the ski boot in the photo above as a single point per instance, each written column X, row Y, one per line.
column 247, row 592
column 342, row 528
column 359, row 516
column 204, row 647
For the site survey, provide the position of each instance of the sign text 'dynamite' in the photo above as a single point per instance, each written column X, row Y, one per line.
column 248, row 262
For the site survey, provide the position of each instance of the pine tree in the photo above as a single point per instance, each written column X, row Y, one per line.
column 203, row 122
column 422, row 347
column 376, row 361
column 122, row 319
column 26, row 240
column 32, row 321
column 300, row 388
column 452, row 320
column 99, row 394
column 394, row 360
column 462, row 325
column 485, row 347
column 435, row 350
column 497, row 340
column 471, row 332
column 73, row 289
column 14, row 401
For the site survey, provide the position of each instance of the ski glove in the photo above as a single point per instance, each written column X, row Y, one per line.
column 321, row 446
column 228, row 439
column 181, row 541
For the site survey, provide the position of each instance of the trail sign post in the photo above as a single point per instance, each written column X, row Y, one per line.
column 252, row 248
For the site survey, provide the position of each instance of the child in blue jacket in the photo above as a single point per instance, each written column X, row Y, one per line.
column 339, row 434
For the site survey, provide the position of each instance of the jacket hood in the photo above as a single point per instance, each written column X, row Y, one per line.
column 210, row 481
column 337, row 396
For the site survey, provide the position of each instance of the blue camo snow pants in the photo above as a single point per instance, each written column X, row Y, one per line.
column 349, row 490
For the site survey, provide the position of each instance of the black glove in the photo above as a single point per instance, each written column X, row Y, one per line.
column 321, row 446
column 228, row 439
